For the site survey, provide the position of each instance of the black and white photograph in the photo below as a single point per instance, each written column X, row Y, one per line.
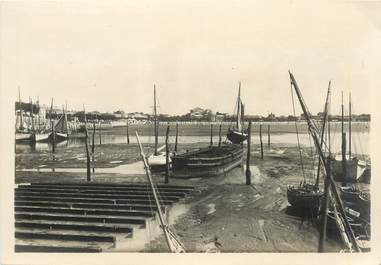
column 189, row 127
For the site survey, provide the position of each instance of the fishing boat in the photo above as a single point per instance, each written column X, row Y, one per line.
column 306, row 196
column 354, row 168
column 331, row 196
column 157, row 161
column 22, row 132
column 60, row 130
column 208, row 161
column 236, row 133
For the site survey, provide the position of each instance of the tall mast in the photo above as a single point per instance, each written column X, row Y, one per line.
column 350, row 128
column 21, row 116
column 31, row 113
column 155, row 120
column 322, row 131
column 313, row 131
column 51, row 113
column 239, row 107
column 343, row 144
column 173, row 244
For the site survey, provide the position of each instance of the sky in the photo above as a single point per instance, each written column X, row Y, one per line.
column 107, row 55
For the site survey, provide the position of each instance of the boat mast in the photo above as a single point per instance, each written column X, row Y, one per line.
column 322, row 131
column 173, row 244
column 313, row 131
column 343, row 144
column 31, row 113
column 155, row 119
column 350, row 128
column 238, row 125
column 21, row 116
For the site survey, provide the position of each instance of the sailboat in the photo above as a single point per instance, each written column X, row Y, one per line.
column 307, row 196
column 22, row 134
column 38, row 134
column 157, row 160
column 354, row 167
column 237, row 134
column 60, row 130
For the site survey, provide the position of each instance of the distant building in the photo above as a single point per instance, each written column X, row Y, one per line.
column 119, row 114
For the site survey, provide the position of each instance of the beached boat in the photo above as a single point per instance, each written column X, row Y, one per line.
column 157, row 161
column 305, row 196
column 352, row 169
column 208, row 161
column 237, row 134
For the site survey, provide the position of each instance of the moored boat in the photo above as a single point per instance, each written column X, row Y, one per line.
column 208, row 161
column 304, row 196
column 237, row 134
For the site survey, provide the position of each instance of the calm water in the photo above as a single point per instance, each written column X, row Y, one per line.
column 360, row 141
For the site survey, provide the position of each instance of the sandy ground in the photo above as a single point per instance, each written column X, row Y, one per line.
column 224, row 214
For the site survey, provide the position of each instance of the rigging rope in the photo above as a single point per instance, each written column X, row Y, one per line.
column 297, row 134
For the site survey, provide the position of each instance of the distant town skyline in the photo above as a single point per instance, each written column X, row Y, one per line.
column 108, row 55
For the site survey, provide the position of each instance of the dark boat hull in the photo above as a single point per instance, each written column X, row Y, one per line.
column 304, row 198
column 236, row 137
column 207, row 162
column 59, row 137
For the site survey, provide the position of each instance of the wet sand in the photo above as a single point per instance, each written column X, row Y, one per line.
column 223, row 214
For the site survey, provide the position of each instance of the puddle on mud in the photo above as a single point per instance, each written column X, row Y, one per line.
column 135, row 168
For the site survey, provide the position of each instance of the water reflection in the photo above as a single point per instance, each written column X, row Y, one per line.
column 360, row 141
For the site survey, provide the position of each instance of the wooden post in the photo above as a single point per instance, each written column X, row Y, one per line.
column 211, row 134
column 166, row 157
column 100, row 132
column 53, row 139
column 323, row 227
column 248, row 172
column 87, row 149
column 93, row 146
column 268, row 136
column 260, row 138
column 177, row 135
column 219, row 135
column 128, row 135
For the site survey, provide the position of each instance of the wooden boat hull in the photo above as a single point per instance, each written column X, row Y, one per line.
column 236, row 137
column 40, row 137
column 207, row 162
column 355, row 169
column 23, row 137
column 59, row 136
column 304, row 198
column 158, row 163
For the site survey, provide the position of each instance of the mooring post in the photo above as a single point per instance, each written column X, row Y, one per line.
column 268, row 136
column 260, row 138
column 211, row 134
column 248, row 172
column 166, row 156
column 53, row 140
column 87, row 149
column 177, row 135
column 93, row 146
column 219, row 135
column 100, row 132
column 128, row 135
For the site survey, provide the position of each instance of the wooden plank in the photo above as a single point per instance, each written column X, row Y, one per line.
column 64, row 237
column 90, row 219
column 83, row 211
column 93, row 184
column 55, row 249
column 102, row 191
column 46, row 203
column 93, row 195
column 81, row 227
